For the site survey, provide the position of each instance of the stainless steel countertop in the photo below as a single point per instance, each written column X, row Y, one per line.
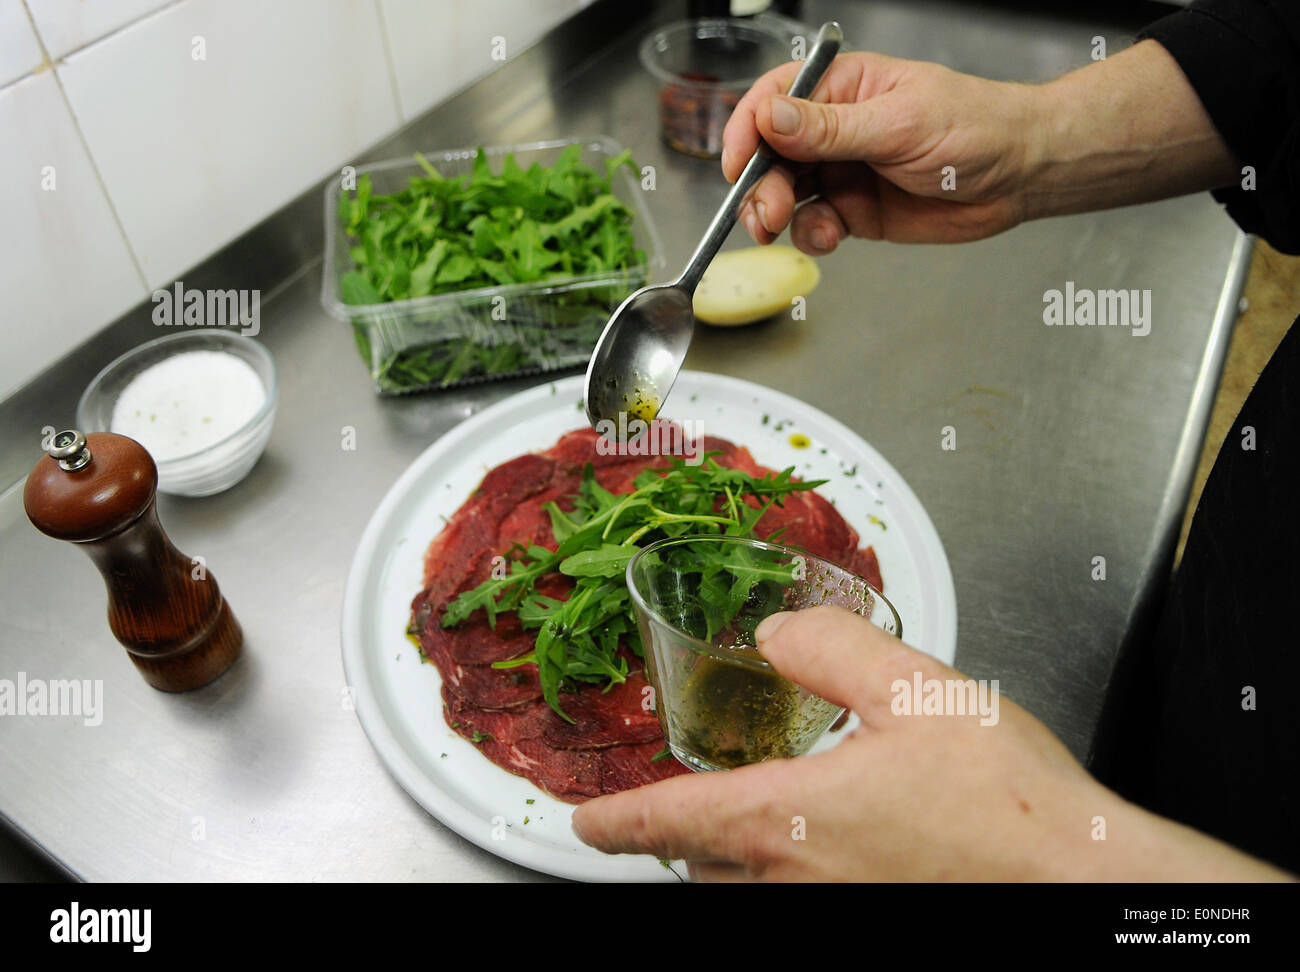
column 1072, row 443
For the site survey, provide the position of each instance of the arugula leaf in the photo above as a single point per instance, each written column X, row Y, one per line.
column 514, row 586
column 357, row 289
column 607, row 560
column 422, row 273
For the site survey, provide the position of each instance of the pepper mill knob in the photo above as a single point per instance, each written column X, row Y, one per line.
column 70, row 449
column 98, row 492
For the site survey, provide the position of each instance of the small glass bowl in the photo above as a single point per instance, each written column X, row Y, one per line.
column 698, row 601
column 703, row 68
column 220, row 465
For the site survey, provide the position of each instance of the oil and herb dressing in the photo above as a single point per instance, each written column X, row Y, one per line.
column 641, row 405
column 731, row 715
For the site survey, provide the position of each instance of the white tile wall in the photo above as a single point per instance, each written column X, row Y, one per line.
column 194, row 152
column 425, row 46
column 483, row 23
column 185, row 154
column 19, row 52
column 66, row 25
column 64, row 267
column 438, row 48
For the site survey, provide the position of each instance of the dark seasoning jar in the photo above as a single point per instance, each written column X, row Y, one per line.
column 705, row 66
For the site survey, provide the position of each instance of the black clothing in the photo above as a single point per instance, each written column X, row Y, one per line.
column 1202, row 725
column 1243, row 59
column 1182, row 735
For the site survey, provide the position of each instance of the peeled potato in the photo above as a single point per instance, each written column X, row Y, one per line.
column 743, row 286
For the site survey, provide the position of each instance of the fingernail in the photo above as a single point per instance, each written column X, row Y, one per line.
column 820, row 240
column 724, row 161
column 769, row 625
column 751, row 223
column 785, row 116
column 761, row 209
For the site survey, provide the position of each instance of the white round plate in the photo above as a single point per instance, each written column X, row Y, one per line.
column 397, row 698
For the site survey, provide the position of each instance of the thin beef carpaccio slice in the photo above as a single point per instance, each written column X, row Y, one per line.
column 601, row 720
column 468, row 541
column 612, row 718
column 626, row 767
column 613, row 739
column 610, row 743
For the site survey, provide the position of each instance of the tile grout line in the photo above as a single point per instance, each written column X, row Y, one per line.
column 392, row 64
column 90, row 156
column 49, row 63
column 102, row 37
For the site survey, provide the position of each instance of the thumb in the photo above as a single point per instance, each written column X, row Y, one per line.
column 841, row 656
column 810, row 131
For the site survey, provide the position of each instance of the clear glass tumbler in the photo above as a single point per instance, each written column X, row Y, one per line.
column 698, row 600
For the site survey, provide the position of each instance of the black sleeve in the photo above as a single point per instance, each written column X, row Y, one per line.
column 1243, row 59
column 1200, row 724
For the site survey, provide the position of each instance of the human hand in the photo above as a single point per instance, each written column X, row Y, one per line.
column 869, row 154
column 873, row 145
column 904, row 797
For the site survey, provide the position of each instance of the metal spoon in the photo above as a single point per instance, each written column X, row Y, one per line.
column 644, row 344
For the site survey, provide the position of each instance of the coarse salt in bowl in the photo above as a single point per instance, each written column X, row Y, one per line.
column 201, row 403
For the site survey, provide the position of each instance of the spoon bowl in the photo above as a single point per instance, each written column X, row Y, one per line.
column 639, row 354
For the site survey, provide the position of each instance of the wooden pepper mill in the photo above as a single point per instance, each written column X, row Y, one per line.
column 98, row 492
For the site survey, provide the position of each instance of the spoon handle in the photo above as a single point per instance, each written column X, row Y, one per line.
column 824, row 50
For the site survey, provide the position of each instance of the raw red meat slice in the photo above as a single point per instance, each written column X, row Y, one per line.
column 864, row 564
column 571, row 775
column 528, row 523
column 471, row 535
column 625, row 767
column 600, row 719
column 507, row 726
column 483, row 685
column 811, row 523
column 475, row 642
column 577, row 448
column 567, row 774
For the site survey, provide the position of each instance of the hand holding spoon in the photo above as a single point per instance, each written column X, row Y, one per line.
column 644, row 344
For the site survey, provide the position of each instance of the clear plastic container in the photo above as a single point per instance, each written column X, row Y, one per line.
column 704, row 67
column 451, row 339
